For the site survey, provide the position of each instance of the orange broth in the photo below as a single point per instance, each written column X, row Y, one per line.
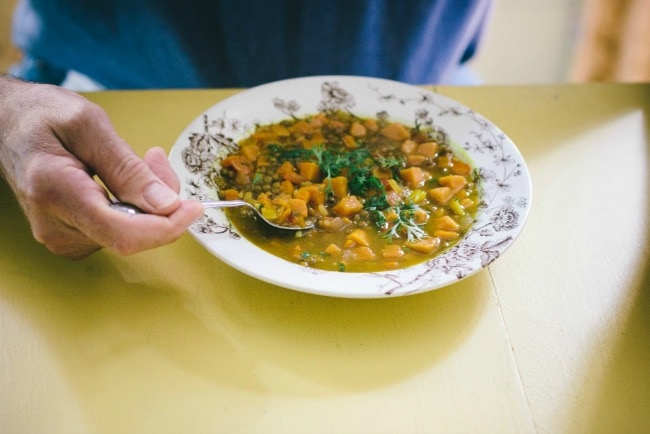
column 382, row 195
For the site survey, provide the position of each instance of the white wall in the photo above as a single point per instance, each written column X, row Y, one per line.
column 529, row 42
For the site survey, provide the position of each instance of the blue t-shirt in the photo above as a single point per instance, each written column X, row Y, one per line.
column 223, row 43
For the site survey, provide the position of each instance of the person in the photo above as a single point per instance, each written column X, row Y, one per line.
column 54, row 141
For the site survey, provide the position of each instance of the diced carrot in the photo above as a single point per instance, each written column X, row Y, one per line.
column 441, row 194
column 413, row 176
column 424, row 245
column 357, row 130
column 230, row 194
column 347, row 206
column 395, row 131
column 299, row 207
column 309, row 170
column 360, row 237
column 392, row 251
column 446, row 223
column 428, row 149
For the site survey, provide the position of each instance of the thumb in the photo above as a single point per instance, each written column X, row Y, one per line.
column 90, row 136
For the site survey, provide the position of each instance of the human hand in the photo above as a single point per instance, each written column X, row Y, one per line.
column 52, row 143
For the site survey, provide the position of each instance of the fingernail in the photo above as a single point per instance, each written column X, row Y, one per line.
column 159, row 195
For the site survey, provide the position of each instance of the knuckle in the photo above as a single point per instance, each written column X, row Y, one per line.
column 125, row 246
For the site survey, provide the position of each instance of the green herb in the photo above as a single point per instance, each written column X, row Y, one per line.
column 406, row 225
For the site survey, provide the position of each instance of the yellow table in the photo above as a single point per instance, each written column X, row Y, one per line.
column 554, row 337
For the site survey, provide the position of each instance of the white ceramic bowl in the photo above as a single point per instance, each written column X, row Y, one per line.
column 502, row 171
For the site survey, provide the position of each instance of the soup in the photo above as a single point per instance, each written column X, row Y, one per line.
column 382, row 195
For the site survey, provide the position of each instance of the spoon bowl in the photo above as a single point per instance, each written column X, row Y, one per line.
column 207, row 204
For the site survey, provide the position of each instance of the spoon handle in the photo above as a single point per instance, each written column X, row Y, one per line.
column 223, row 203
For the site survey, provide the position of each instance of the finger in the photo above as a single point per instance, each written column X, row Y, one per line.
column 87, row 132
column 156, row 159
column 128, row 234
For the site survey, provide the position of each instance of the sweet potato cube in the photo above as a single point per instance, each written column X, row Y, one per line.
column 424, row 245
column 316, row 194
column 230, row 194
column 446, row 223
column 280, row 130
column 428, row 149
column 302, row 193
column 349, row 141
column 446, row 235
column 408, row 146
column 441, row 194
column 392, row 251
column 357, row 130
column 412, row 176
column 415, row 159
column 313, row 140
column 371, row 124
column 285, row 169
column 395, row 131
column 239, row 163
column 347, row 206
column 454, row 182
column 298, row 207
column 250, row 152
column 333, row 249
column 287, row 187
column 309, row 170
column 283, row 214
column 360, row 237
column 363, row 253
column 460, row 167
column 338, row 185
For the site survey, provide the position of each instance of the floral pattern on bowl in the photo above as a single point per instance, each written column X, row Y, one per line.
column 499, row 168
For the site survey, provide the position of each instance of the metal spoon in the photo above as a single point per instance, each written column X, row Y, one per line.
column 133, row 210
